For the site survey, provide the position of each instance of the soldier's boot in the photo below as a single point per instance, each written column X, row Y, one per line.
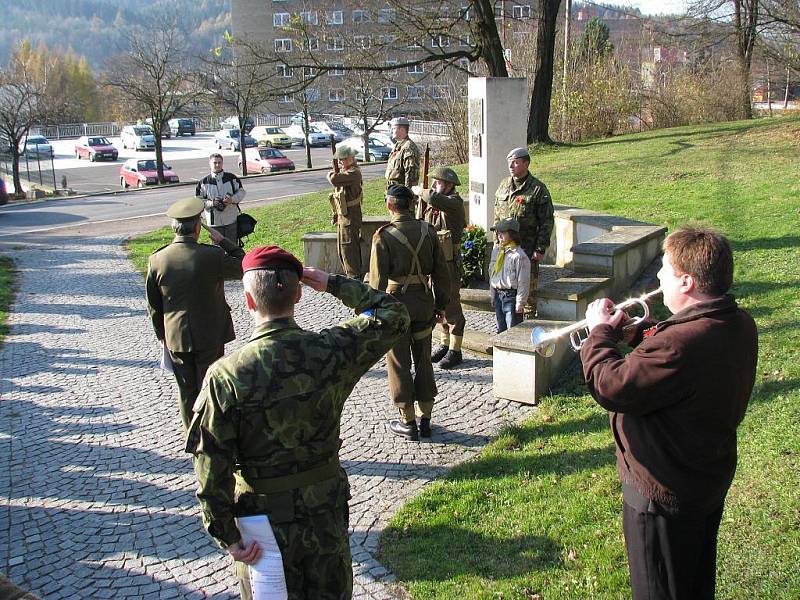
column 441, row 349
column 424, row 411
column 453, row 357
column 407, row 425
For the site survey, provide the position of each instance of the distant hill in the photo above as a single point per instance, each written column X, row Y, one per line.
column 94, row 28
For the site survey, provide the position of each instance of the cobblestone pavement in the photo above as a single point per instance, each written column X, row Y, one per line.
column 97, row 495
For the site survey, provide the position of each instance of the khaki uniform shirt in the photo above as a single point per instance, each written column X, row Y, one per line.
column 347, row 195
column 446, row 212
column 404, row 164
column 529, row 203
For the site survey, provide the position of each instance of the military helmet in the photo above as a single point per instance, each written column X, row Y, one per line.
column 343, row 152
column 446, row 174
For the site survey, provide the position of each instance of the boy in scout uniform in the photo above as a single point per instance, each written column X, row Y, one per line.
column 186, row 298
column 407, row 262
column 346, row 204
column 265, row 434
column 444, row 209
column 526, row 199
column 404, row 161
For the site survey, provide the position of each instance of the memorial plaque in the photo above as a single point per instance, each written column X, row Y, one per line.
column 475, row 145
column 476, row 115
column 476, row 186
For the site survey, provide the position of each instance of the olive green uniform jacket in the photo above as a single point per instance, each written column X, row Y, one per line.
column 346, row 200
column 403, row 165
column 529, row 203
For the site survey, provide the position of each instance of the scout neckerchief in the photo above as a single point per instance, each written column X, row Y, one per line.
column 498, row 264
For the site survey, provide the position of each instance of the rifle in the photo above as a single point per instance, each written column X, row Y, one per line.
column 333, row 152
column 426, row 162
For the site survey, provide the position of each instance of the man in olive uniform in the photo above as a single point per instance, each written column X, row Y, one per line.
column 407, row 261
column 404, row 161
column 442, row 207
column 265, row 434
column 346, row 204
column 186, row 299
column 526, row 199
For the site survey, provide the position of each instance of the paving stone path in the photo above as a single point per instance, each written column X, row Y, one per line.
column 96, row 495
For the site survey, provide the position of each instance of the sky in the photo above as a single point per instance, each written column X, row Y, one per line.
column 654, row 7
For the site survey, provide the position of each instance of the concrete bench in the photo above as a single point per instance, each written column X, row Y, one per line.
column 319, row 247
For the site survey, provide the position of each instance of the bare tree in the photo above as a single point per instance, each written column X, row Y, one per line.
column 21, row 105
column 155, row 76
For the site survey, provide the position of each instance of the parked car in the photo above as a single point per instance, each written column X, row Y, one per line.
column 266, row 160
column 138, row 173
column 377, row 150
column 229, row 138
column 179, row 127
column 233, row 123
column 95, row 147
column 165, row 130
column 271, row 137
column 315, row 137
column 338, row 131
column 37, row 145
column 382, row 138
column 138, row 137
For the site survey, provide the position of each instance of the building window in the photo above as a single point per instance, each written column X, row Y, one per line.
column 521, row 11
column 334, row 17
column 390, row 93
column 440, row 91
column 387, row 40
column 465, row 64
column 310, row 17
column 386, row 15
column 416, row 68
column 465, row 13
column 284, row 71
column 392, row 71
column 308, row 72
column 283, row 45
column 441, row 41
column 285, row 99
column 416, row 92
column 311, row 94
column 361, row 41
column 280, row 19
column 466, row 41
column 336, row 94
column 336, row 71
column 335, row 44
column 414, row 44
column 360, row 16
column 313, row 43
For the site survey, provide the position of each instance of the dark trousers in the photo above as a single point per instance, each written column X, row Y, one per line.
column 229, row 231
column 189, row 369
column 671, row 558
column 505, row 309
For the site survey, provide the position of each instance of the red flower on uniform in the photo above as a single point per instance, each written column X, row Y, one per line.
column 649, row 332
column 520, row 199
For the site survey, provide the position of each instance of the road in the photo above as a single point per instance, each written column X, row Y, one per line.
column 141, row 210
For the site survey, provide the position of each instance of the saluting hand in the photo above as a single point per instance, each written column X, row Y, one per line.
column 315, row 278
column 215, row 235
column 247, row 554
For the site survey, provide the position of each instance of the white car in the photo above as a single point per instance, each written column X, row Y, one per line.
column 377, row 150
column 138, row 137
column 37, row 145
column 315, row 137
column 337, row 130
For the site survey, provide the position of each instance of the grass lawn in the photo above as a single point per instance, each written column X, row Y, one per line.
column 6, row 293
column 537, row 514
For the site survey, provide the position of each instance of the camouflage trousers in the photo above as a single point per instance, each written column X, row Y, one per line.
column 316, row 557
column 530, row 307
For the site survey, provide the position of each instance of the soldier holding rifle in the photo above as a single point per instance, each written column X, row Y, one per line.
column 346, row 199
column 404, row 161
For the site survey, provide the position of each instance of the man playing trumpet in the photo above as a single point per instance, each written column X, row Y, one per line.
column 675, row 403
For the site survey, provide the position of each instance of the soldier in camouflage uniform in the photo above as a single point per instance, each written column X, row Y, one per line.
column 442, row 207
column 346, row 204
column 407, row 261
column 265, row 434
column 526, row 199
column 404, row 161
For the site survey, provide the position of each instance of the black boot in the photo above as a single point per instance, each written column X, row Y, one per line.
column 407, row 430
column 438, row 353
column 451, row 359
column 425, row 427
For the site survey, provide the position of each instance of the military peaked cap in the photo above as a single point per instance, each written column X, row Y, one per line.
column 446, row 174
column 518, row 153
column 344, row 152
column 506, row 225
column 400, row 121
column 271, row 257
column 186, row 208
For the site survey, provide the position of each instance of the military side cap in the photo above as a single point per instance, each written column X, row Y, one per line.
column 186, row 208
column 343, row 152
column 400, row 192
column 400, row 121
column 506, row 225
column 271, row 257
column 518, row 153
column 446, row 174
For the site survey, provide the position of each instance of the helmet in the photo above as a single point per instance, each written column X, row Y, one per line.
column 343, row 152
column 446, row 174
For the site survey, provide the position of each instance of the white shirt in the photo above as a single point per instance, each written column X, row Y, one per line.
column 515, row 274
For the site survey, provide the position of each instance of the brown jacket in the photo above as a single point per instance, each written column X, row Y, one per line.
column 676, row 400
column 446, row 212
column 185, row 295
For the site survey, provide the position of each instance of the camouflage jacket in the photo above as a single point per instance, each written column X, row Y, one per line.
column 445, row 212
column 347, row 194
column 403, row 165
column 273, row 408
column 530, row 204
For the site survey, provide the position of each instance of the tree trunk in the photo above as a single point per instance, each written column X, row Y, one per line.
column 744, row 88
column 15, row 169
column 159, row 156
column 489, row 39
column 786, row 90
column 539, row 115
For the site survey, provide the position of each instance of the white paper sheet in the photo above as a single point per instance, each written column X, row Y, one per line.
column 166, row 359
column 266, row 576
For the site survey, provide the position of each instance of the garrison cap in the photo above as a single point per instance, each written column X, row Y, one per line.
column 400, row 192
column 186, row 208
column 271, row 257
column 446, row 174
column 343, row 152
column 506, row 225
column 518, row 153
column 400, row 121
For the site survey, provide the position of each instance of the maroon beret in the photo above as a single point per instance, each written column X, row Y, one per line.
column 271, row 257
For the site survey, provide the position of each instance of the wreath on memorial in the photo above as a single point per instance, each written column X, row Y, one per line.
column 473, row 254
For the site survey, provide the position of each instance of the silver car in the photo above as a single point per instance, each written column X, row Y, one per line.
column 138, row 137
column 37, row 145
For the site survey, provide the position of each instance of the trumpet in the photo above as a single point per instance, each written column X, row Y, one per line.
column 544, row 342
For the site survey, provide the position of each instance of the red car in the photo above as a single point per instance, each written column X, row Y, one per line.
column 266, row 160
column 140, row 173
column 95, row 147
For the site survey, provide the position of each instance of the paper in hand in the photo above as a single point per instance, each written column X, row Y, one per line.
column 267, row 579
column 166, row 359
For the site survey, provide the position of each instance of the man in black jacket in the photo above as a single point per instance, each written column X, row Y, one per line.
column 675, row 403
